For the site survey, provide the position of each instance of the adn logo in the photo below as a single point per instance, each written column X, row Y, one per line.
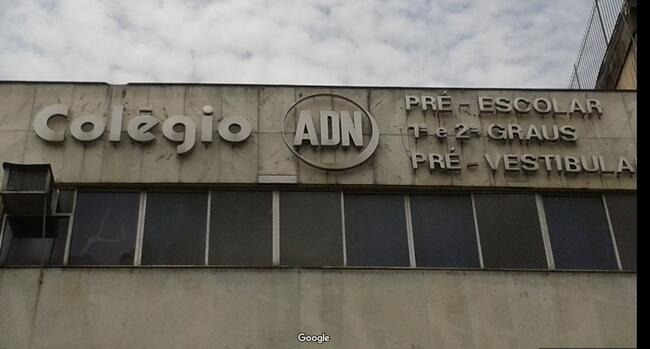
column 314, row 129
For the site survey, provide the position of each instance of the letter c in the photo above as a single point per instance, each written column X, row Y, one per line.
column 41, row 119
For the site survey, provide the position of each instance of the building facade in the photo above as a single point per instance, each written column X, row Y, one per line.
column 240, row 216
column 618, row 68
column 606, row 57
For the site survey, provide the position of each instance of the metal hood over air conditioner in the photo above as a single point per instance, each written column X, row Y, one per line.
column 27, row 189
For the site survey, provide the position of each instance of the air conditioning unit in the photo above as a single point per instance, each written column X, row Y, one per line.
column 27, row 190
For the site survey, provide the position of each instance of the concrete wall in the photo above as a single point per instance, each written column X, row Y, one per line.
column 265, row 153
column 627, row 79
column 248, row 308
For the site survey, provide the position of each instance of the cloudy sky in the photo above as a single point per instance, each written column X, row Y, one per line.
column 456, row 43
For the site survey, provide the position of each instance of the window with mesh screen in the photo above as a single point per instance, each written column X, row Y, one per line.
column 175, row 229
column 443, row 231
column 579, row 233
column 510, row 231
column 241, row 228
column 622, row 212
column 310, row 229
column 105, row 228
column 375, row 230
column 23, row 242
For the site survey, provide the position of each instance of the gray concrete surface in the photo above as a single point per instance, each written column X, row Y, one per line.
column 254, row 308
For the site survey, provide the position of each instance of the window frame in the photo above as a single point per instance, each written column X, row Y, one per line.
column 273, row 234
column 474, row 223
column 142, row 216
column 612, row 238
column 337, row 196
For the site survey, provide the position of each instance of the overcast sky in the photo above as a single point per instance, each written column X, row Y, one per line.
column 455, row 43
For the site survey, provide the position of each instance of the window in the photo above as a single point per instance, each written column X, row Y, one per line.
column 241, row 228
column 23, row 242
column 579, row 232
column 105, row 228
column 235, row 227
column 622, row 213
column 375, row 230
column 443, row 231
column 310, row 229
column 510, row 231
column 174, row 229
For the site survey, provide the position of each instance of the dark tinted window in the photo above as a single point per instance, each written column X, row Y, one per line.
column 310, row 229
column 241, row 228
column 104, row 229
column 579, row 232
column 375, row 230
column 622, row 212
column 510, row 232
column 174, row 229
column 443, row 231
column 22, row 242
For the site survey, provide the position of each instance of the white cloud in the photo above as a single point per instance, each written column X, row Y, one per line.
column 495, row 43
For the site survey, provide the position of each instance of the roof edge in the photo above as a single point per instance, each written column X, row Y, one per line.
column 315, row 86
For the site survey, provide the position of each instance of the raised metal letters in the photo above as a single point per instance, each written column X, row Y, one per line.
column 540, row 105
column 139, row 128
column 545, row 119
column 98, row 126
column 305, row 129
column 115, row 134
column 351, row 127
column 187, row 137
column 40, row 122
column 206, row 124
column 336, row 127
column 234, row 136
column 330, row 128
column 88, row 128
